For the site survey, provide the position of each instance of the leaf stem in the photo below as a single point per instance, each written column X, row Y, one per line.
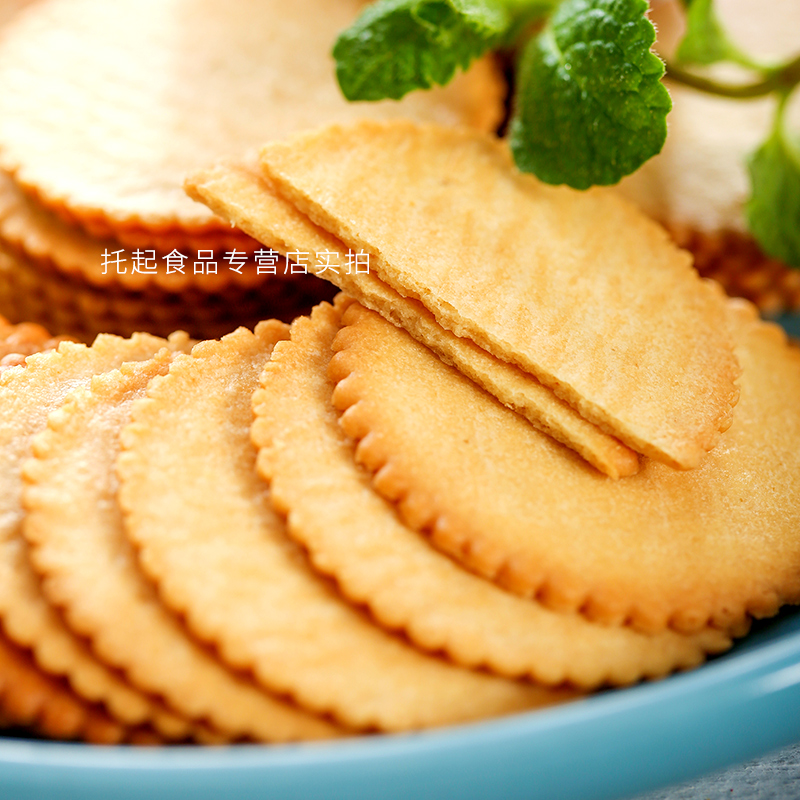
column 783, row 79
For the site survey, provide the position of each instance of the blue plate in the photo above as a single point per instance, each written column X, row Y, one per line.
column 611, row 745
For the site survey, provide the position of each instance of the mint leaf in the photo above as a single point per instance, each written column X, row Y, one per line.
column 773, row 211
column 590, row 106
column 396, row 46
column 705, row 41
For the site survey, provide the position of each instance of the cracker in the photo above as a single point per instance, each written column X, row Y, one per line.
column 354, row 536
column 238, row 193
column 663, row 547
column 208, row 535
column 27, row 395
column 31, row 698
column 577, row 288
column 96, row 129
column 52, row 244
column 89, row 570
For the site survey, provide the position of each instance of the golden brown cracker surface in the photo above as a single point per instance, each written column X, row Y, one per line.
column 577, row 288
column 201, row 515
column 89, row 570
column 27, row 395
column 97, row 129
column 239, row 194
column 355, row 536
column 662, row 548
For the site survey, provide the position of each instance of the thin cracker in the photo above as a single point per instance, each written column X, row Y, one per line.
column 577, row 288
column 238, row 193
column 90, row 572
column 208, row 535
column 355, row 536
column 684, row 549
column 27, row 395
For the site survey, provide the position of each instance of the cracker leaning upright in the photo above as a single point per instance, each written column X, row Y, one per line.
column 239, row 193
column 576, row 288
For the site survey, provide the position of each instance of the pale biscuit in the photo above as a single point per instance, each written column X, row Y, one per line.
column 27, row 395
column 577, row 288
column 93, row 127
column 196, row 507
column 661, row 548
column 239, row 194
column 89, row 570
column 355, row 536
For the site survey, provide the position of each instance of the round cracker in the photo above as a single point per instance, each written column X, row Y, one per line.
column 353, row 535
column 208, row 535
column 89, row 570
column 91, row 126
column 27, row 395
column 659, row 548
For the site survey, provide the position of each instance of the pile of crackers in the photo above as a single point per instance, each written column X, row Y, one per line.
column 523, row 455
column 96, row 233
column 527, row 455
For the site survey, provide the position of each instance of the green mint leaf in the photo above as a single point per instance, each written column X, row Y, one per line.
column 705, row 41
column 396, row 46
column 590, row 107
column 773, row 211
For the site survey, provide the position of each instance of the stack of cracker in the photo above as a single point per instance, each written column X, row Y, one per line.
column 498, row 473
column 104, row 108
column 242, row 639
column 557, row 410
